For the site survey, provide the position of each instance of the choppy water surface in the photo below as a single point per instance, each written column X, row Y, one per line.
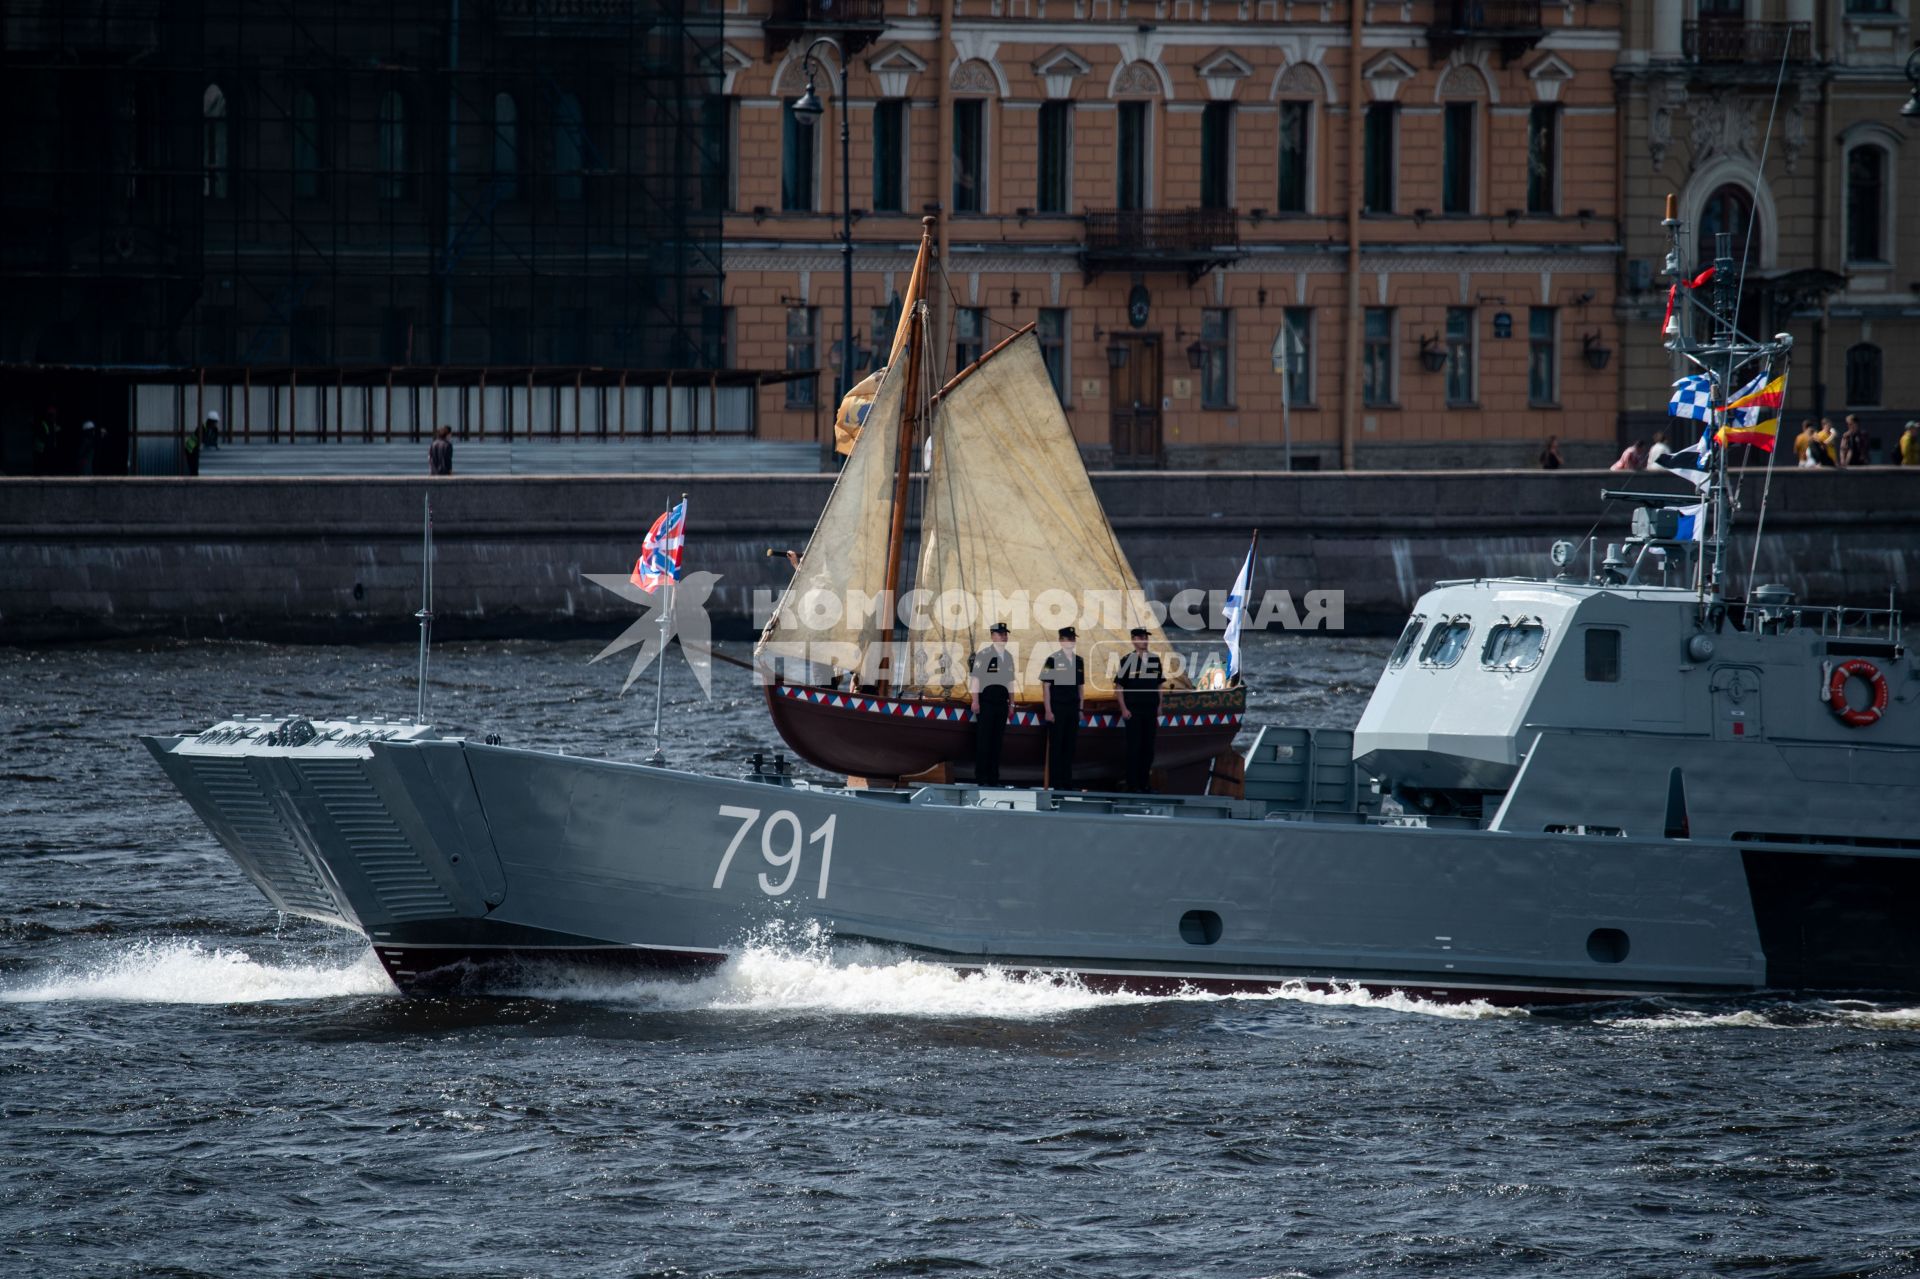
column 190, row 1085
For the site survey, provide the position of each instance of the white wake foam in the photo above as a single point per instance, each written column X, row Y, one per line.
column 802, row 971
column 180, row 972
column 1350, row 995
column 1807, row 1016
column 1744, row 1019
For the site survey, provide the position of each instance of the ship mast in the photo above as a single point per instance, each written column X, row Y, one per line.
column 903, row 466
column 1725, row 352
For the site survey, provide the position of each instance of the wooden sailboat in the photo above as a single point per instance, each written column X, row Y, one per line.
column 1008, row 515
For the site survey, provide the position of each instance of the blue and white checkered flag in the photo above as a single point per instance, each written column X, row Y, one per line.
column 1692, row 397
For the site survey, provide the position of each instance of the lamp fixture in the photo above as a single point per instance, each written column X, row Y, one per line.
column 1420, row 216
column 1117, row 355
column 1433, row 356
column 1261, row 296
column 1016, row 299
column 1197, row 355
column 808, row 110
column 1513, row 216
column 760, row 212
column 1596, row 354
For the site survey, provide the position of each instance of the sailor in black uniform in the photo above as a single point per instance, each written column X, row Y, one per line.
column 1061, row 680
column 1138, row 688
column 990, row 681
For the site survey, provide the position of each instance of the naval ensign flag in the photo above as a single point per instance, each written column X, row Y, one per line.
column 1236, row 609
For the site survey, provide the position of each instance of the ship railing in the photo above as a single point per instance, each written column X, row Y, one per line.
column 1834, row 621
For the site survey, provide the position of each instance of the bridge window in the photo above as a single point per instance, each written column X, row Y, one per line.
column 1603, row 655
column 1404, row 649
column 1447, row 642
column 1514, row 646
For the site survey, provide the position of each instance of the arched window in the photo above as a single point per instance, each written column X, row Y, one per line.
column 1299, row 88
column 1866, row 204
column 1863, row 376
column 1729, row 208
column 213, row 143
column 569, row 148
column 506, row 146
column 393, row 146
column 307, row 150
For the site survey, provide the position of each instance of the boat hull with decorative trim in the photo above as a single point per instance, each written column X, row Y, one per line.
column 869, row 736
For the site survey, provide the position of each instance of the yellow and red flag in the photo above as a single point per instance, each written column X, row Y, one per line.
column 1753, row 414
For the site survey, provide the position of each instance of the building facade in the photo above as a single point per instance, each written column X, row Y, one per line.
column 1809, row 182
column 311, row 191
column 1241, row 233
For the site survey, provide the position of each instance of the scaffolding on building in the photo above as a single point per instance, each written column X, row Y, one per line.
column 337, row 185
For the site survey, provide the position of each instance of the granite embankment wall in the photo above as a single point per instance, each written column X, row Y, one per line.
column 340, row 558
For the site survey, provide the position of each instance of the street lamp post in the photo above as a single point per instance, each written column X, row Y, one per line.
column 805, row 112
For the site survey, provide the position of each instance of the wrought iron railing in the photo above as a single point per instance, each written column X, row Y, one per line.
column 1160, row 232
column 828, row 12
column 1737, row 40
column 1486, row 15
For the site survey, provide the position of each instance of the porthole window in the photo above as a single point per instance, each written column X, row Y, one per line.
column 1408, row 638
column 1514, row 646
column 1446, row 642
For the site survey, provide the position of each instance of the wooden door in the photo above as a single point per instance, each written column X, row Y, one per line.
column 1134, row 386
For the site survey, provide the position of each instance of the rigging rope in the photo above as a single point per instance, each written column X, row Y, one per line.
column 1740, row 284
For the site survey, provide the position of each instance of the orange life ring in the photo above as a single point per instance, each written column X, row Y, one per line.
column 1837, row 692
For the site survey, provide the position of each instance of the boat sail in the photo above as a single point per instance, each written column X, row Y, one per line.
column 1011, row 532
column 1011, row 515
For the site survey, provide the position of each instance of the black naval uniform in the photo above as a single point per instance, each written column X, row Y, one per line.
column 992, row 668
column 1140, row 677
column 1063, row 695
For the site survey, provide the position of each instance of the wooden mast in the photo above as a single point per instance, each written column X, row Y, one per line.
column 903, row 463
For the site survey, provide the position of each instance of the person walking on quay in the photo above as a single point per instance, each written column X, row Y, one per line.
column 190, row 447
column 1633, row 459
column 1826, row 444
column 46, row 442
column 89, row 446
column 1803, row 444
column 440, row 452
column 1909, row 446
column 1138, row 686
column 210, row 430
column 990, row 683
column 1854, row 449
column 1550, row 459
column 1061, row 682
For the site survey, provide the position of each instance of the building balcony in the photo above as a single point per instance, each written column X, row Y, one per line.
column 1514, row 25
column 1192, row 240
column 854, row 23
column 1735, row 42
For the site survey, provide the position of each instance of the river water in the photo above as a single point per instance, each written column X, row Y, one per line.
column 193, row 1086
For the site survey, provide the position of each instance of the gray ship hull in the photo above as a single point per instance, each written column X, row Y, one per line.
column 455, row 858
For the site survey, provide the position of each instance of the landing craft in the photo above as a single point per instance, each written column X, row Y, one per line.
column 1619, row 779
